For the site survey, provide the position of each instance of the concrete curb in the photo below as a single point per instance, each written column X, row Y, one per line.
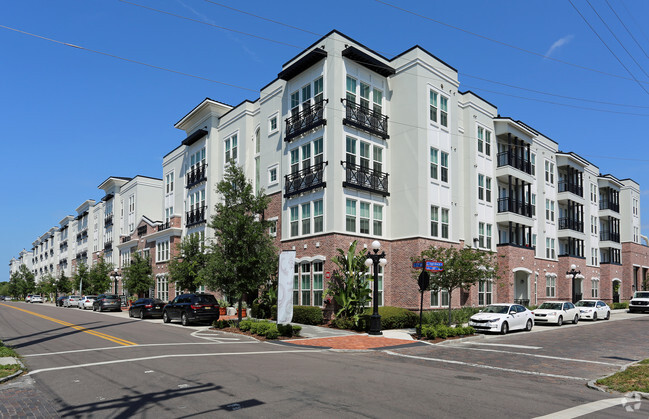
column 592, row 384
column 16, row 374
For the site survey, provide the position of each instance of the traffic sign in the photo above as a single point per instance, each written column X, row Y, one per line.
column 327, row 275
column 434, row 266
column 417, row 265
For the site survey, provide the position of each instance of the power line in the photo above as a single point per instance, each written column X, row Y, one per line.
column 627, row 29
column 607, row 47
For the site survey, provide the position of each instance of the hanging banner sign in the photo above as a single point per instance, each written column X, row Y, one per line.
column 285, row 287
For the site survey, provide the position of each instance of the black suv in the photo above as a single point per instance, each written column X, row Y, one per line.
column 106, row 302
column 189, row 308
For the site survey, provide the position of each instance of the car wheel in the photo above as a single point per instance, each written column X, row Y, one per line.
column 165, row 317
column 94, row 308
column 184, row 320
column 594, row 316
column 130, row 313
column 631, row 310
column 560, row 321
column 99, row 309
column 576, row 319
column 504, row 328
column 528, row 326
column 608, row 315
column 141, row 314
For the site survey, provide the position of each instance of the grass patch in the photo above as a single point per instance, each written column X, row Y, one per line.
column 634, row 378
column 7, row 370
column 7, row 351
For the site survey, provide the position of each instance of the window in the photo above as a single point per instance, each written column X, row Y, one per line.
column 444, row 223
column 593, row 256
column 484, row 292
column 272, row 175
column 438, row 113
column 488, row 236
column 231, row 147
column 433, row 106
column 434, row 221
column 533, row 163
column 593, row 224
column 378, row 220
column 162, row 287
column 295, row 221
column 306, row 218
column 126, row 258
column 350, row 212
column 480, row 187
column 487, row 143
column 272, row 230
column 434, row 163
column 443, row 111
column 377, row 100
column 365, row 218
column 318, row 158
column 439, row 299
column 444, row 166
column 549, row 210
column 162, row 249
column 169, row 195
column 594, row 290
column 550, row 286
column 296, row 285
column 295, row 160
column 481, row 235
column 549, row 172
column 318, row 216
column 593, row 193
column 351, row 90
column 440, row 165
column 131, row 213
column 306, row 97
column 318, row 283
column 487, row 189
column 317, row 90
column 550, row 252
column 295, row 103
column 272, row 124
column 306, row 284
column 365, row 96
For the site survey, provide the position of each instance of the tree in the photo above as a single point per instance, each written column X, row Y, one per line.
column 63, row 284
column 138, row 276
column 185, row 267
column 99, row 277
column 80, row 278
column 47, row 285
column 349, row 285
column 5, row 288
column 28, row 280
column 16, row 285
column 462, row 268
column 243, row 257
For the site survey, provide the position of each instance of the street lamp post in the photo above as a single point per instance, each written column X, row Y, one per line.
column 377, row 259
column 573, row 272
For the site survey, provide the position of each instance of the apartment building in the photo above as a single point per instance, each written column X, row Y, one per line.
column 350, row 145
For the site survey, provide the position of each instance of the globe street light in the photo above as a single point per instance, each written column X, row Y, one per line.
column 573, row 272
column 377, row 259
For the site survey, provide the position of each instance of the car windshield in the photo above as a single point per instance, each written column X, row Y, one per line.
column 550, row 306
column 111, row 296
column 641, row 295
column 585, row 304
column 496, row 309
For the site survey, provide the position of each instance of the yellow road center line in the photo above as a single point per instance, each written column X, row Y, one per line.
column 76, row 327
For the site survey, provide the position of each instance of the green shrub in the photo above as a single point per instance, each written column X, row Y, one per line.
column 391, row 318
column 297, row 329
column 619, row 306
column 442, row 331
column 307, row 315
column 429, row 331
column 245, row 325
column 273, row 313
column 285, row 329
column 532, row 307
column 221, row 324
column 263, row 327
column 272, row 332
column 469, row 330
column 458, row 315
column 452, row 331
column 342, row 323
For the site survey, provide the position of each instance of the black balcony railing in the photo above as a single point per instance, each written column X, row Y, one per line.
column 366, row 119
column 304, row 180
column 571, row 187
column 604, row 205
column 516, row 206
column 141, row 230
column 164, row 226
column 196, row 175
column 306, row 120
column 126, row 239
column 510, row 158
column 108, row 221
column 365, row 179
column 108, row 245
column 195, row 216
column 566, row 223
column 608, row 236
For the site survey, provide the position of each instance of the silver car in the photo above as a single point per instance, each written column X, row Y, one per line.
column 85, row 303
column 71, row 301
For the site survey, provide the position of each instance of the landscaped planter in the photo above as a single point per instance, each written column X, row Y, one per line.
column 243, row 312
column 223, row 311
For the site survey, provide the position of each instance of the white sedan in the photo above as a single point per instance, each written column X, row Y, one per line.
column 85, row 303
column 36, row 299
column 593, row 309
column 502, row 318
column 71, row 301
column 556, row 312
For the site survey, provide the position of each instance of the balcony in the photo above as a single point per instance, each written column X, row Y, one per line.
column 195, row 216
column 365, row 179
column 126, row 239
column 509, row 158
column 571, row 187
column 607, row 205
column 108, row 221
column 366, row 119
column 566, row 223
column 164, row 226
column 304, row 180
column 608, row 236
column 310, row 118
column 141, row 230
column 516, row 206
column 108, row 245
column 196, row 175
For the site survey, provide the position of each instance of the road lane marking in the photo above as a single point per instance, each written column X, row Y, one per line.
column 149, row 358
column 489, row 367
column 505, row 344
column 585, row 409
column 138, row 346
column 540, row 356
column 113, row 339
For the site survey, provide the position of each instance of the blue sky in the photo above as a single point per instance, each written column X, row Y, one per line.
column 71, row 117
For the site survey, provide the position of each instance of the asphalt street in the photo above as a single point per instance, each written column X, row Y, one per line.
column 88, row 364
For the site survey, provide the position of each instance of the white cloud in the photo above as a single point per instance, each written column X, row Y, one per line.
column 558, row 44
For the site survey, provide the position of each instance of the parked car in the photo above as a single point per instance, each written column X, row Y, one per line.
column 86, row 302
column 2, row 297
column 36, row 299
column 189, row 308
column 639, row 302
column 105, row 302
column 60, row 300
column 28, row 299
column 556, row 312
column 146, row 307
column 71, row 301
column 593, row 309
column 502, row 318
